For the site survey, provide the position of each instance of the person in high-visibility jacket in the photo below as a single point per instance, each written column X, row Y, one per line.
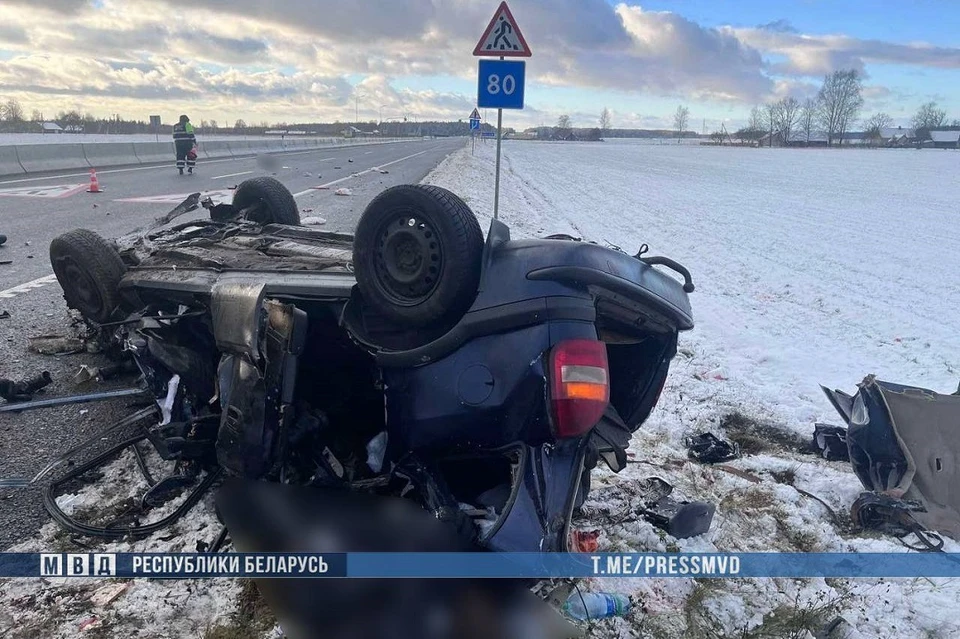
column 185, row 140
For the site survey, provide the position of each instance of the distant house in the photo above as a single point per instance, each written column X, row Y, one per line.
column 50, row 127
column 854, row 138
column 816, row 138
column 945, row 139
column 897, row 136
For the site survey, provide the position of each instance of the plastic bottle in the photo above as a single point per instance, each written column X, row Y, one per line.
column 596, row 605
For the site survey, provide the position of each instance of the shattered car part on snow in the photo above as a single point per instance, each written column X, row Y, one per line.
column 830, row 442
column 707, row 448
column 483, row 380
column 903, row 443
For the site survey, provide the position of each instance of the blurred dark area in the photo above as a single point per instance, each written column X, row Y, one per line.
column 265, row 517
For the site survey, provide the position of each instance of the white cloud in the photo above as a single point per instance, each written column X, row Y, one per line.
column 289, row 58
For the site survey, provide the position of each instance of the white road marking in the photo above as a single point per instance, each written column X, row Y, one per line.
column 367, row 152
column 176, row 198
column 52, row 191
column 29, row 286
column 231, row 175
column 358, row 174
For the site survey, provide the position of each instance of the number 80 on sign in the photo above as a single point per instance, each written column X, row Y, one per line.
column 501, row 84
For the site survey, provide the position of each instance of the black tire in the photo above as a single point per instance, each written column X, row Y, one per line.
column 89, row 270
column 277, row 203
column 421, row 274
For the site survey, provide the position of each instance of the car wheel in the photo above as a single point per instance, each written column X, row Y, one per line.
column 89, row 270
column 417, row 255
column 277, row 205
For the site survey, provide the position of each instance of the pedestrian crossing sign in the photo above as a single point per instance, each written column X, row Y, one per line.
column 503, row 37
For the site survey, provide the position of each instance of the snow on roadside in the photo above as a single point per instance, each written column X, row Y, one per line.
column 161, row 609
column 811, row 267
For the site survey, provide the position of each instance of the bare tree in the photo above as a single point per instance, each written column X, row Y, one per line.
column 929, row 117
column 757, row 119
column 605, row 121
column 213, row 125
column 12, row 111
column 239, row 124
column 770, row 118
column 787, row 113
column 808, row 115
column 840, row 100
column 875, row 125
column 564, row 122
column 680, row 119
column 36, row 116
column 955, row 122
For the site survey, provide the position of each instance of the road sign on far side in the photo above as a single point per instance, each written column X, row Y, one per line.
column 475, row 115
column 474, row 124
column 500, row 84
column 503, row 37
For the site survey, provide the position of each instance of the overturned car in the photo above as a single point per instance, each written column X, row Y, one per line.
column 481, row 379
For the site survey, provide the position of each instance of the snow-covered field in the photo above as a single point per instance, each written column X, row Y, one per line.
column 811, row 267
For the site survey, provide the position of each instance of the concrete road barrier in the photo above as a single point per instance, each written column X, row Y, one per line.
column 35, row 158
column 110, row 154
column 152, row 152
column 211, row 150
column 9, row 162
column 240, row 148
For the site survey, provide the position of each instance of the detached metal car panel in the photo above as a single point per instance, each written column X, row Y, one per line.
column 490, row 377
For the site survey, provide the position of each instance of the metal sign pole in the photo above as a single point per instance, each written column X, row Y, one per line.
column 496, row 190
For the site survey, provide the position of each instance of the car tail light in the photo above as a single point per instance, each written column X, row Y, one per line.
column 579, row 386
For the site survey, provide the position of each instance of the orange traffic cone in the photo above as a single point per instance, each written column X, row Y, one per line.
column 94, row 183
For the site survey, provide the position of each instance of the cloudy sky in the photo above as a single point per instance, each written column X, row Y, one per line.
column 310, row 60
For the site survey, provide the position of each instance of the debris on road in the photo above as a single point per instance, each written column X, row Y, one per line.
column 56, row 345
column 707, row 448
column 87, row 624
column 24, row 389
column 337, row 168
column 589, row 606
column 680, row 519
column 305, row 174
column 3, row 239
column 105, row 595
column 320, row 188
column 343, row 192
column 72, row 399
column 4, row 314
column 351, row 161
column 313, row 221
column 6, row 261
column 830, row 442
column 101, row 373
column 586, row 541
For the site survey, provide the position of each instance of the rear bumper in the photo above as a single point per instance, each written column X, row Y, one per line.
column 536, row 518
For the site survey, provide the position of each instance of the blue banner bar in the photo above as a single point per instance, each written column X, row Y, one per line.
column 477, row 565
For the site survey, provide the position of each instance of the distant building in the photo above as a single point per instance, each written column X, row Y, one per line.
column 50, row 127
column 799, row 138
column 897, row 136
column 945, row 139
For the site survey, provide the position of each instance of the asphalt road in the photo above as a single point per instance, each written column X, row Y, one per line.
column 35, row 304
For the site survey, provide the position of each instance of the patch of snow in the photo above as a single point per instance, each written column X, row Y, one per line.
column 313, row 221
